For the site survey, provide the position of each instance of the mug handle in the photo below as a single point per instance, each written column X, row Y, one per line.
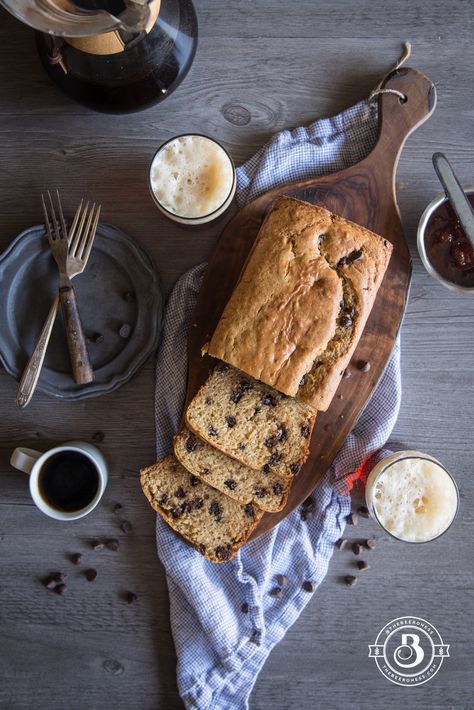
column 24, row 459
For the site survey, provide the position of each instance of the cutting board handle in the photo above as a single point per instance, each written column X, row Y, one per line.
column 398, row 118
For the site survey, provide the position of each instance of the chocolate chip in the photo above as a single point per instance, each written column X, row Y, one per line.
column 129, row 296
column 235, row 396
column 163, row 499
column 282, row 579
column 212, row 431
column 231, row 421
column 223, row 552
column 126, row 526
column 201, row 549
column 216, row 510
column 363, row 565
column 244, row 608
column 350, row 580
column 346, row 374
column 231, row 484
column 130, row 597
column 295, row 468
column 260, row 491
column 269, row 400
column 356, row 548
column 308, row 587
column 117, row 507
column 363, row 511
column 241, row 446
column 345, row 321
column 60, row 589
column 176, row 512
column 98, row 436
column 363, row 365
column 256, row 410
column 249, row 510
column 76, row 558
column 197, row 503
column 90, row 574
column 305, row 429
column 193, row 480
column 277, row 488
column 125, row 330
column 96, row 545
column 266, row 468
column 180, row 492
column 352, row 519
column 191, row 443
column 281, row 435
column 341, row 543
column 112, row 544
column 275, row 592
column 353, row 256
column 350, row 311
column 223, row 367
column 303, row 381
column 97, row 338
column 245, row 386
column 208, row 400
column 205, row 471
column 274, row 458
column 370, row 544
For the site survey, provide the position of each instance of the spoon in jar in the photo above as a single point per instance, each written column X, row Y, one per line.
column 455, row 194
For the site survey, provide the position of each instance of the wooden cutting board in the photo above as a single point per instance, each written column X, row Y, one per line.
column 363, row 193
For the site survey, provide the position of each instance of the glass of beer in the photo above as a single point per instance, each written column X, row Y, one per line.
column 192, row 179
column 412, row 496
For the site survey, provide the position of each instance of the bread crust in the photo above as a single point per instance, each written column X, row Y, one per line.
column 284, row 315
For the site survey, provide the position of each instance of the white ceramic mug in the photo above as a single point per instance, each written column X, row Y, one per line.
column 31, row 462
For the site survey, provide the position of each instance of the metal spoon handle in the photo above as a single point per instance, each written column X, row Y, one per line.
column 456, row 194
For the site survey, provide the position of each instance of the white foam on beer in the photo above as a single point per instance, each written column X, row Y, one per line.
column 192, row 176
column 415, row 499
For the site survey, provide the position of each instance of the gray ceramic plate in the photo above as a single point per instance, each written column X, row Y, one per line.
column 117, row 266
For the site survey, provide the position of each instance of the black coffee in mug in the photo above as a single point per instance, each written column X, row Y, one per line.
column 68, row 481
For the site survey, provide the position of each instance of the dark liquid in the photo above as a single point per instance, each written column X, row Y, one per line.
column 448, row 248
column 68, row 481
column 150, row 67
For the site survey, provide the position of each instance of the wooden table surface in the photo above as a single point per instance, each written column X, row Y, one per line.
column 285, row 64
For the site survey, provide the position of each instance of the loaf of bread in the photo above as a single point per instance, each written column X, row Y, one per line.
column 214, row 523
column 251, row 422
column 302, row 301
column 266, row 490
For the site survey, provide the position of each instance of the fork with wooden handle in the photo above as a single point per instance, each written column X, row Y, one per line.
column 80, row 238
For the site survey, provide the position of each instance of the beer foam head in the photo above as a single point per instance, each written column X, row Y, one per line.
column 192, row 176
column 415, row 499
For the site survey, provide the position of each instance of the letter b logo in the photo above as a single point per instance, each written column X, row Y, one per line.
column 409, row 654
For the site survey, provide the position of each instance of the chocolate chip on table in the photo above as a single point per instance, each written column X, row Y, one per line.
column 117, row 507
column 98, row 436
column 363, row 511
column 129, row 296
column 231, row 484
column 231, row 421
column 126, row 526
column 130, row 597
column 76, row 558
column 370, row 544
column 282, row 580
column 308, row 587
column 352, row 519
column 125, row 330
column 112, row 545
column 341, row 543
column 350, row 580
column 90, row 574
column 275, row 592
column 191, row 443
column 363, row 365
column 363, row 565
column 346, row 374
column 60, row 589
column 356, row 548
column 244, row 608
column 50, row 583
column 97, row 545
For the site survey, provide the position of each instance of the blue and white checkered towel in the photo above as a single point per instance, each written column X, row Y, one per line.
column 220, row 649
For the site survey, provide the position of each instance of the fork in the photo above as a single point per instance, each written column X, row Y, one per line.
column 81, row 239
